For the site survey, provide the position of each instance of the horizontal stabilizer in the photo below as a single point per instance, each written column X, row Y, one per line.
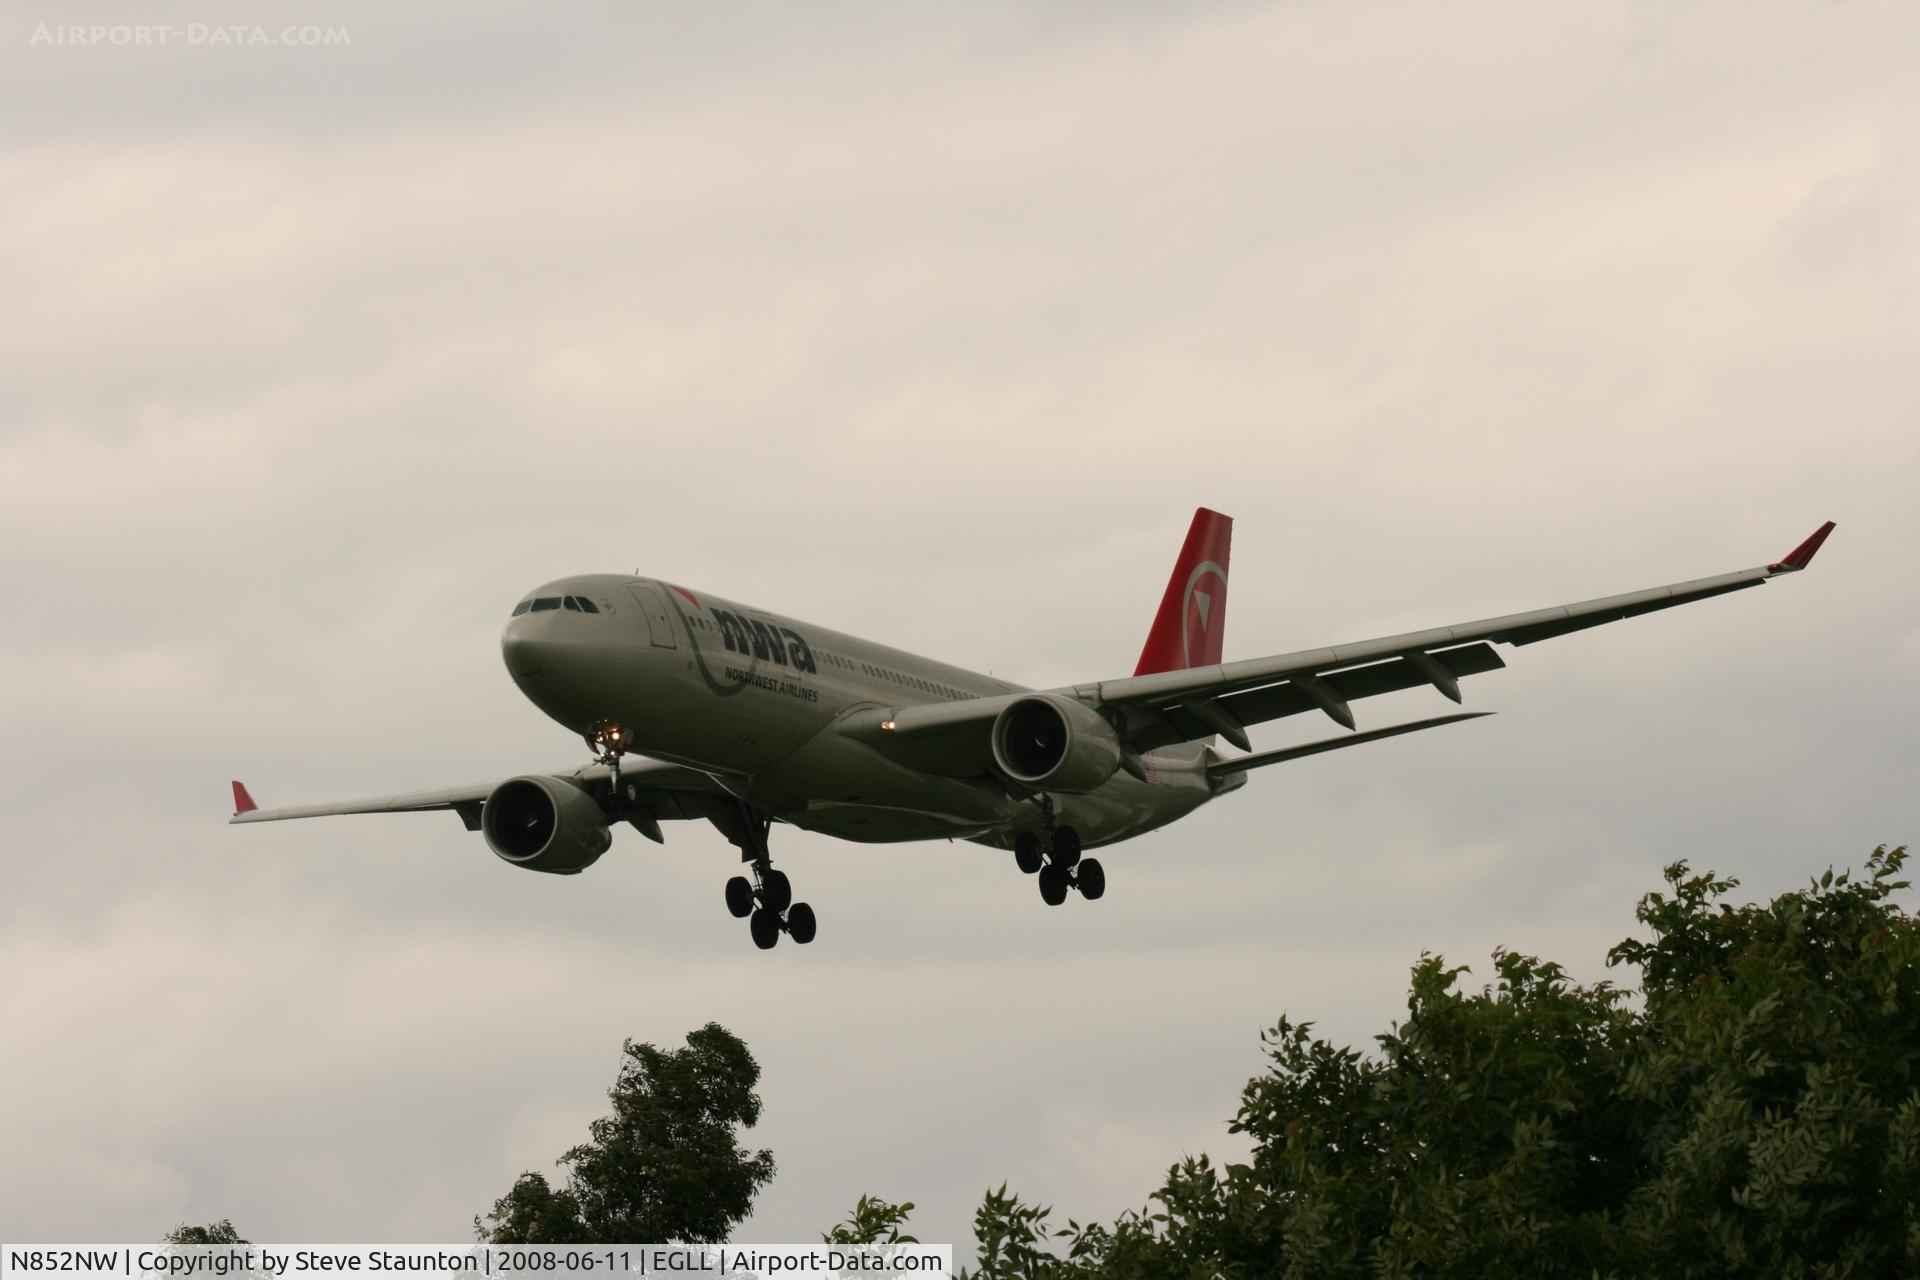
column 1260, row 759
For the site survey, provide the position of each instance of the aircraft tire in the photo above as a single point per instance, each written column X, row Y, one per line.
column 1026, row 852
column 800, row 923
column 1066, row 846
column 739, row 897
column 765, row 927
column 1092, row 879
column 1053, row 885
column 776, row 891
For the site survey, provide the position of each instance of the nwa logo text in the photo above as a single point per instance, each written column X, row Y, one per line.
column 764, row 641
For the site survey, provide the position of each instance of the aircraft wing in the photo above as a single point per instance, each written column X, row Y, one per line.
column 1179, row 706
column 658, row 785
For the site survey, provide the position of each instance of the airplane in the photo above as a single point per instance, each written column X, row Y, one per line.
column 743, row 718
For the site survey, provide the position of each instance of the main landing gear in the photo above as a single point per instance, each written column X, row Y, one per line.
column 1054, row 855
column 765, row 902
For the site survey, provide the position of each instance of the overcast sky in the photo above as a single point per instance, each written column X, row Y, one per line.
column 931, row 323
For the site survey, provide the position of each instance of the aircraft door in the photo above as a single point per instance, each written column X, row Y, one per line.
column 654, row 606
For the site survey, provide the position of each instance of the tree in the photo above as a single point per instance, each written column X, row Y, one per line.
column 220, row 1232
column 873, row 1221
column 534, row 1213
column 1756, row 1112
column 666, row 1165
column 1778, row 1087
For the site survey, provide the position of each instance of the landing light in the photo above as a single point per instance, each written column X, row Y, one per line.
column 887, row 725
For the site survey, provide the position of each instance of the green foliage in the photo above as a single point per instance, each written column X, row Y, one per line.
column 1755, row 1113
column 873, row 1221
column 1778, row 1079
column 534, row 1213
column 220, row 1232
column 666, row 1165
column 1011, row 1239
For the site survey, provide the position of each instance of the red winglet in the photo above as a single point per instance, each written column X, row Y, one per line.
column 1802, row 556
column 242, row 802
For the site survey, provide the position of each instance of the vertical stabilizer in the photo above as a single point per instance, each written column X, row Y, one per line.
column 1192, row 622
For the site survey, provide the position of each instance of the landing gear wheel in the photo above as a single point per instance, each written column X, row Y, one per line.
column 1066, row 846
column 740, row 897
column 765, row 928
column 1053, row 885
column 800, row 923
column 776, row 891
column 1026, row 852
column 1091, row 878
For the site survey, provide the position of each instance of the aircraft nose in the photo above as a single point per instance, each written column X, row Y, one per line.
column 524, row 654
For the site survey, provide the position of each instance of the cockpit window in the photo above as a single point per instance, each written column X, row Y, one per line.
column 522, row 607
column 572, row 604
column 587, row 606
column 546, row 603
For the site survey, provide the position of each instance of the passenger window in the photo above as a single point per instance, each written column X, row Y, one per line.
column 522, row 607
column 546, row 604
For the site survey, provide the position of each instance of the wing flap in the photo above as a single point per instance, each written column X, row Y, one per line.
column 1183, row 721
column 1275, row 701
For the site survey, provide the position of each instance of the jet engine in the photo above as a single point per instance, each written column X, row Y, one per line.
column 545, row 824
column 1055, row 744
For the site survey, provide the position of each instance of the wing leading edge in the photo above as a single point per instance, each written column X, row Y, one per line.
column 1513, row 628
column 1169, row 707
column 655, row 782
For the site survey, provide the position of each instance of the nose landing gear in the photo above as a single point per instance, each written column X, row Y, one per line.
column 765, row 902
column 609, row 742
column 1054, row 855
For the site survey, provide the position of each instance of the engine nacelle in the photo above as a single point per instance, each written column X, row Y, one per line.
column 545, row 824
column 1055, row 744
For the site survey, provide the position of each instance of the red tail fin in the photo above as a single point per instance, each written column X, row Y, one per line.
column 1192, row 622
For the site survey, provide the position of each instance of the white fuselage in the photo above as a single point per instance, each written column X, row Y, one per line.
column 752, row 698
